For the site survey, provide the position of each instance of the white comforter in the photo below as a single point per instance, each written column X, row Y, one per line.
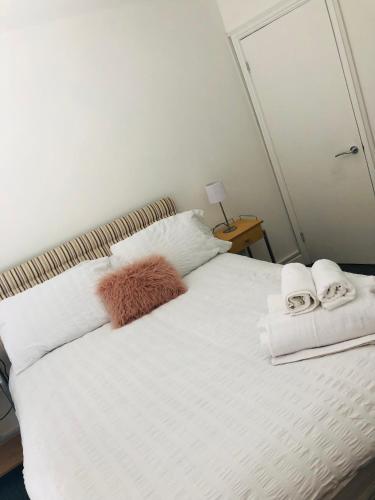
column 183, row 404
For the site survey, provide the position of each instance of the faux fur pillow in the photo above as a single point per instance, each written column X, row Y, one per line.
column 135, row 290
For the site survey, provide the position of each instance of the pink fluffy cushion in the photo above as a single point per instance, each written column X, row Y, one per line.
column 138, row 288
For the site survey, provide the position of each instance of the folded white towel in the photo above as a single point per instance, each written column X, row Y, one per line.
column 298, row 289
column 322, row 332
column 332, row 286
column 318, row 352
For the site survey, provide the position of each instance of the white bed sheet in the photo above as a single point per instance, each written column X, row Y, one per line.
column 184, row 404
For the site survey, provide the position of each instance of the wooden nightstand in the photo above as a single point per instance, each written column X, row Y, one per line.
column 10, row 454
column 10, row 439
column 248, row 232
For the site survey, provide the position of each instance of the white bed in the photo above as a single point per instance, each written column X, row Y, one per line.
column 183, row 404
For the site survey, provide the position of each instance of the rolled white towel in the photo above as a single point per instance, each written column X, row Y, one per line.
column 298, row 289
column 332, row 286
column 322, row 332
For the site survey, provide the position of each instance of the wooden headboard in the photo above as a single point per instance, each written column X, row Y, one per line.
column 92, row 245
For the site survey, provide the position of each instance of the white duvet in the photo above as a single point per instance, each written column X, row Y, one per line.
column 183, row 404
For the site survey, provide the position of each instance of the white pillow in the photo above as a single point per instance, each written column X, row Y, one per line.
column 183, row 239
column 53, row 313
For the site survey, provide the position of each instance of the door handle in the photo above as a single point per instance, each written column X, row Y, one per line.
column 352, row 151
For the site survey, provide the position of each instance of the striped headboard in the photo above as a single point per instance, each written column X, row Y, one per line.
column 92, row 245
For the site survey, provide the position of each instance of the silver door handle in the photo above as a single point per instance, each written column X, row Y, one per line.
column 352, row 151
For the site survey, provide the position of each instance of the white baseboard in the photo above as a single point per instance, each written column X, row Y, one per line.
column 293, row 257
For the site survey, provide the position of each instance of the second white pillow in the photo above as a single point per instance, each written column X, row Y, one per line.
column 183, row 239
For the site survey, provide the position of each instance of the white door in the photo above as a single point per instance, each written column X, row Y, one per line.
column 296, row 71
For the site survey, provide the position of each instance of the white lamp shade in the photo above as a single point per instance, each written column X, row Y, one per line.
column 215, row 192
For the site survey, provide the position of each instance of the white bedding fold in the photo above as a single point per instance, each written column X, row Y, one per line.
column 333, row 288
column 318, row 352
column 341, row 329
column 298, row 289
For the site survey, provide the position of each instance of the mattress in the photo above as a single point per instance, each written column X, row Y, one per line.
column 184, row 404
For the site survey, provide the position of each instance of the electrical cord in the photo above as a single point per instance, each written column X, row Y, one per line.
column 4, row 371
column 4, row 375
column 218, row 225
column 3, row 417
column 231, row 221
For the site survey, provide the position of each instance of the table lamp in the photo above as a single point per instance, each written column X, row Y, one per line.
column 216, row 194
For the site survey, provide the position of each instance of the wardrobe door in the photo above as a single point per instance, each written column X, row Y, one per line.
column 296, row 70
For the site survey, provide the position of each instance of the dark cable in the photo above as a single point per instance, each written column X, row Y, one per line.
column 6, row 414
column 4, row 371
column 2, row 417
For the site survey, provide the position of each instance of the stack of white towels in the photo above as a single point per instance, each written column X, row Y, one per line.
column 320, row 311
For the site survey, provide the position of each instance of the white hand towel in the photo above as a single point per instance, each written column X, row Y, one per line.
column 323, row 332
column 332, row 286
column 298, row 289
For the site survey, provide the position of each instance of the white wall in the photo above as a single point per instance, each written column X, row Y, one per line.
column 105, row 109
column 238, row 12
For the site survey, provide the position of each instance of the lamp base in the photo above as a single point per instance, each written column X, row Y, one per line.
column 230, row 229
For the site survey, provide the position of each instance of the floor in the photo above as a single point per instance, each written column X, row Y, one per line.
column 12, row 486
column 368, row 269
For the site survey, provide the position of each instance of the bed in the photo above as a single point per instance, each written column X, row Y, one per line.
column 184, row 404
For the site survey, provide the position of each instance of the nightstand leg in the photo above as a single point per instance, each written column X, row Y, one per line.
column 269, row 246
column 249, row 252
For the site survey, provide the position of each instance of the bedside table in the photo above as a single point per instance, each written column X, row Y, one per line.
column 248, row 232
column 10, row 454
column 10, row 439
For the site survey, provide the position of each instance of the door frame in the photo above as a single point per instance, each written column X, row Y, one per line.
column 352, row 82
